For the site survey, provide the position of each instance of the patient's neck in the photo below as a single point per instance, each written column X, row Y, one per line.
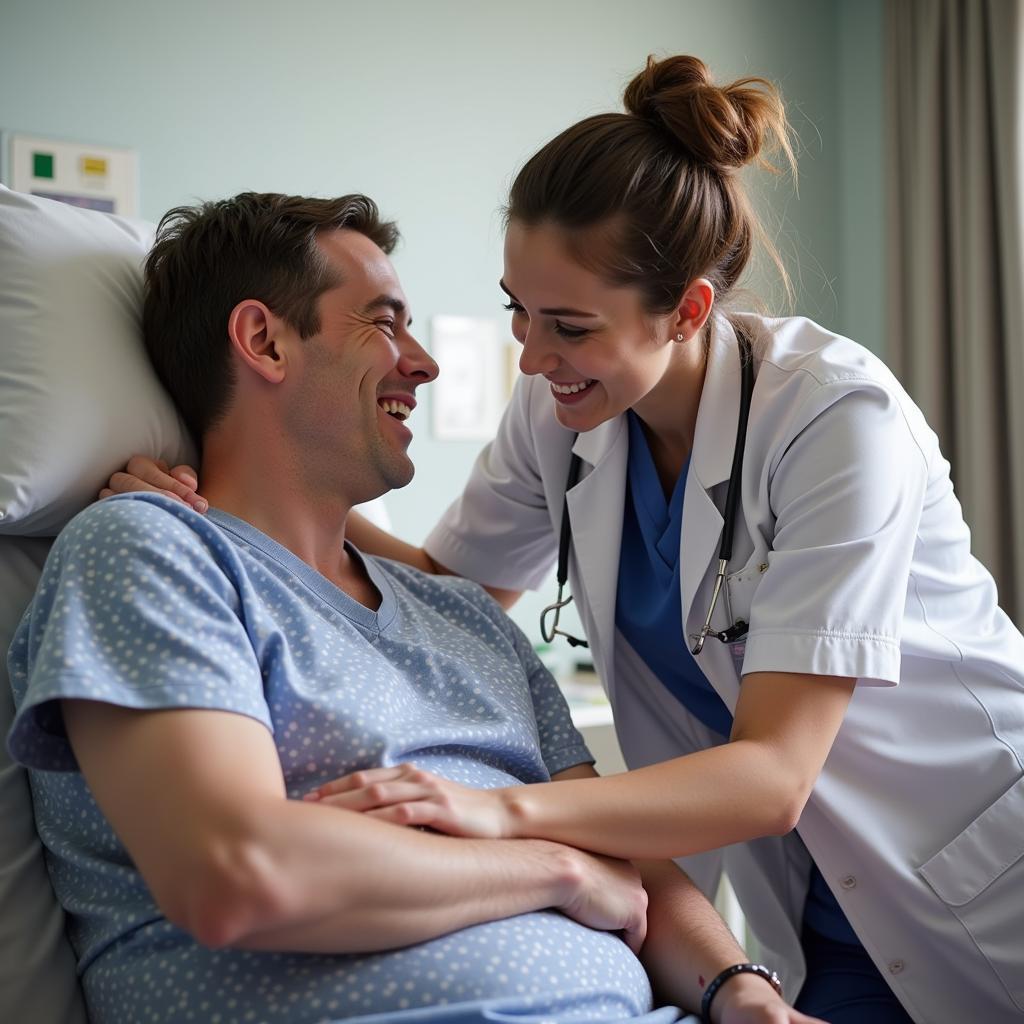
column 261, row 480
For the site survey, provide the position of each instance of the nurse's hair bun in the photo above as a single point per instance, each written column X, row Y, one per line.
column 723, row 127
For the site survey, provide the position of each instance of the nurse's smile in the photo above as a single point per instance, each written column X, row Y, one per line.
column 572, row 393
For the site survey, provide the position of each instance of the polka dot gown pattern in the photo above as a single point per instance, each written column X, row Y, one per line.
column 145, row 604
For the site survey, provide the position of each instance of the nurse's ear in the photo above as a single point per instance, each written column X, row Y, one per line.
column 693, row 310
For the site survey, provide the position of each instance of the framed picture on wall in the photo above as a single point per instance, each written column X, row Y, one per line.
column 470, row 393
column 95, row 177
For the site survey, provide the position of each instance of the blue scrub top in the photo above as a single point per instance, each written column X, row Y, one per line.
column 648, row 613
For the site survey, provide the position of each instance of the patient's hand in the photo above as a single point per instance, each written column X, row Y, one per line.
column 749, row 1004
column 607, row 894
column 145, row 474
column 407, row 795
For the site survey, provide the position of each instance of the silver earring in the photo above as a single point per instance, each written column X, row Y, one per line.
column 679, row 337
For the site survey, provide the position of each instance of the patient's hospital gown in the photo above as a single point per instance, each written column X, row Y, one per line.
column 146, row 604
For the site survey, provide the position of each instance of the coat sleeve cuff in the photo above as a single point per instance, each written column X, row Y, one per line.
column 872, row 660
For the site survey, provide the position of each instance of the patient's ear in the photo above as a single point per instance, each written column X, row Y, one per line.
column 256, row 337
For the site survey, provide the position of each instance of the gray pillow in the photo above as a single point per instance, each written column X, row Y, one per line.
column 38, row 980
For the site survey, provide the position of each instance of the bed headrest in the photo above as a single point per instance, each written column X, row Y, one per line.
column 77, row 393
column 38, row 981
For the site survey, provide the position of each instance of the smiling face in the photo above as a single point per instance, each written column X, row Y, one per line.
column 599, row 350
column 355, row 381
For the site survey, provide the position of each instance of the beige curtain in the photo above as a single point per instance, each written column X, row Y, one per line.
column 956, row 329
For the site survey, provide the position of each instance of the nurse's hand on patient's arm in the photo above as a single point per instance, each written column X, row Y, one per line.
column 407, row 795
column 755, row 785
column 145, row 474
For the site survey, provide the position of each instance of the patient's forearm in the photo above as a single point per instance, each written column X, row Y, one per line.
column 346, row 883
column 203, row 813
column 688, row 943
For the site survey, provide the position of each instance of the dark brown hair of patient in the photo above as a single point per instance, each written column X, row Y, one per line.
column 652, row 197
column 208, row 258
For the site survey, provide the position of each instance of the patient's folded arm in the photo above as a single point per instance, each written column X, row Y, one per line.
column 198, row 799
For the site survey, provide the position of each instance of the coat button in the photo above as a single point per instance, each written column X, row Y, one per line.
column 895, row 966
column 849, row 882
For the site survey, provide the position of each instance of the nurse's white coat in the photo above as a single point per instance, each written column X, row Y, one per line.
column 850, row 558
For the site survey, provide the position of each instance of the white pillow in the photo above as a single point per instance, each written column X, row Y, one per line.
column 77, row 393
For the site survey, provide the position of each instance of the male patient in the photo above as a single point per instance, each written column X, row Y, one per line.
column 183, row 680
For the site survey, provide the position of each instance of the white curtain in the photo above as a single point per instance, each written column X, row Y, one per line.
column 956, row 330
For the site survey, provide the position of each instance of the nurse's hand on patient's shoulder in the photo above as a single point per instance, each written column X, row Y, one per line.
column 145, row 474
column 407, row 795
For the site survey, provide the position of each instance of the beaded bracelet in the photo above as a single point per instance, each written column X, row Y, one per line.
column 709, row 993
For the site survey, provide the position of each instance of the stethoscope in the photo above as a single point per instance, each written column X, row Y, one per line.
column 738, row 629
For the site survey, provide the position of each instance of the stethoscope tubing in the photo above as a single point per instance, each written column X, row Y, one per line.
column 732, row 504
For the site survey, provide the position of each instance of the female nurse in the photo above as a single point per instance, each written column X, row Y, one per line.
column 845, row 735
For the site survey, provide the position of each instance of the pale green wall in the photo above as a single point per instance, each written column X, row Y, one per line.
column 861, row 280
column 429, row 107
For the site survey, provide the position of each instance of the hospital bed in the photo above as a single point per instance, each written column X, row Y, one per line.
column 77, row 398
column 71, row 370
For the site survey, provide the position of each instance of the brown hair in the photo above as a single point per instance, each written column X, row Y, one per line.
column 208, row 258
column 651, row 197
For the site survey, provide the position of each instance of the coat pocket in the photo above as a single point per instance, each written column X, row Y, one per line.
column 741, row 586
column 979, row 876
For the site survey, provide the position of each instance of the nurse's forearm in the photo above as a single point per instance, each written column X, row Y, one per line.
column 375, row 541
column 708, row 799
column 755, row 785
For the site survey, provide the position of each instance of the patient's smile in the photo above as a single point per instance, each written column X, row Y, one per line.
column 393, row 408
